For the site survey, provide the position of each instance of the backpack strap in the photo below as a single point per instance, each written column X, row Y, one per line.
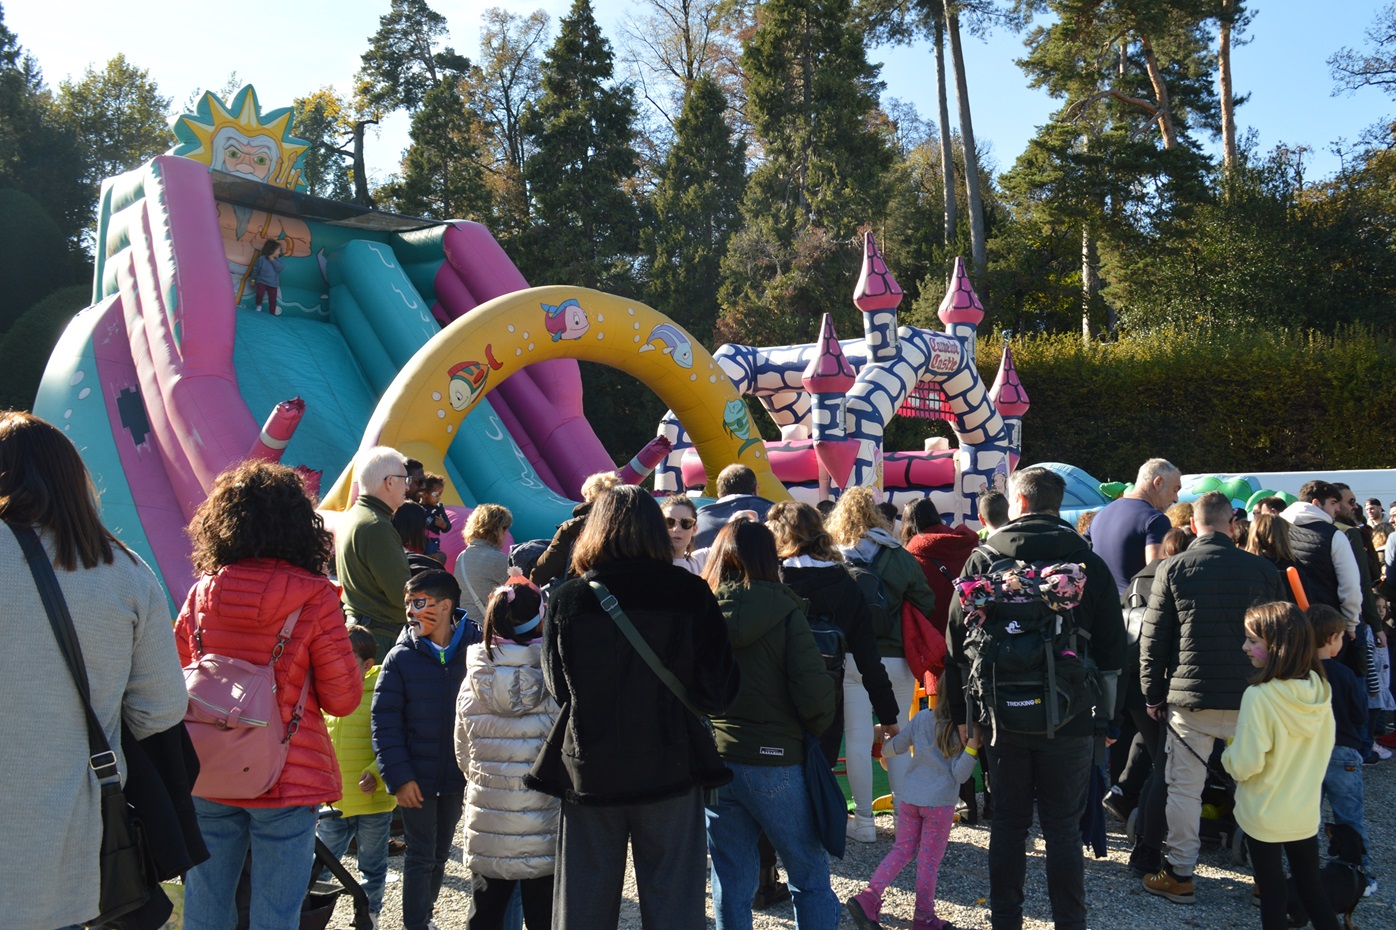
column 941, row 565
column 641, row 646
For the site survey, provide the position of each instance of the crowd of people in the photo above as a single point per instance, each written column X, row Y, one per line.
column 656, row 683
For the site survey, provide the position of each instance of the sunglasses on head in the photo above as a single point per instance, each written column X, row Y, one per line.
column 687, row 523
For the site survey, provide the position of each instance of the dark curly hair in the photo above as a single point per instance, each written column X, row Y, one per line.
column 259, row 510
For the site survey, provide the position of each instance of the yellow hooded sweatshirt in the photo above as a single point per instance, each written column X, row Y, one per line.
column 1284, row 736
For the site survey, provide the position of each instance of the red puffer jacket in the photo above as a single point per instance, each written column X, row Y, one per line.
column 240, row 610
column 950, row 546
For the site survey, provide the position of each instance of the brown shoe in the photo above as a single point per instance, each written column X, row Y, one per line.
column 1166, row 884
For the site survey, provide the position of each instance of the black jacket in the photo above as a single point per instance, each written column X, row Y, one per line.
column 1042, row 537
column 622, row 736
column 556, row 560
column 1190, row 653
column 831, row 592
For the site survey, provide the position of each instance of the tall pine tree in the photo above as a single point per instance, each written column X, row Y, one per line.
column 694, row 211
column 582, row 130
column 812, row 101
column 442, row 177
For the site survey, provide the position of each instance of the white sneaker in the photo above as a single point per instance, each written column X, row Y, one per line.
column 861, row 829
column 1371, row 888
column 1382, row 752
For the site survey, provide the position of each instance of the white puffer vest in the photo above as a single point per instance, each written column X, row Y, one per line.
column 503, row 715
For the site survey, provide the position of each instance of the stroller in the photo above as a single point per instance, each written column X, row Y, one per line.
column 1218, row 826
column 320, row 898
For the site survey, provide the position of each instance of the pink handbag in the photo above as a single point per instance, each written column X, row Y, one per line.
column 234, row 719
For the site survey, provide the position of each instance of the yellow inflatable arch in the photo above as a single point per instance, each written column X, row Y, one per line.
column 423, row 407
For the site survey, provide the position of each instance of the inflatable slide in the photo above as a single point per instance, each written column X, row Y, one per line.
column 167, row 378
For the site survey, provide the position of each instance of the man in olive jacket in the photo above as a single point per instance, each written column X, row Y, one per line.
column 369, row 559
column 1025, row 770
column 1193, row 672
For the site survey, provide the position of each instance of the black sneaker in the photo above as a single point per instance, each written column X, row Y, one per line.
column 769, row 896
column 1117, row 805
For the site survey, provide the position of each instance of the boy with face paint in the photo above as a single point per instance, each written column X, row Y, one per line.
column 413, row 733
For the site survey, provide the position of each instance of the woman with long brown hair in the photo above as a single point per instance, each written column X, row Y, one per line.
column 626, row 756
column 122, row 620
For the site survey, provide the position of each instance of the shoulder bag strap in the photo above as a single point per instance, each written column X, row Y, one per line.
column 102, row 759
column 612, row 607
column 941, row 565
column 282, row 639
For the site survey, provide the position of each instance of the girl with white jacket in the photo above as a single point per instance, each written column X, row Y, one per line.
column 503, row 715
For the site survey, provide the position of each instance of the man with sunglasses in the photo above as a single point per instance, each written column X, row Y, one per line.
column 369, row 559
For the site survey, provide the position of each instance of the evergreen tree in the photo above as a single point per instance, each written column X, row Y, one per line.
column 812, row 101
column 442, row 177
column 39, row 152
column 585, row 230
column 402, row 63
column 695, row 209
column 323, row 119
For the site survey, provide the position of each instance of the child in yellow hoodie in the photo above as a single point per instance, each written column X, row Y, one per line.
column 1284, row 736
column 365, row 812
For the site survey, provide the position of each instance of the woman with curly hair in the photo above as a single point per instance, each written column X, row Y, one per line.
column 261, row 550
column 865, row 538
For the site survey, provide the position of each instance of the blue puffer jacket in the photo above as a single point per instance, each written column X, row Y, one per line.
column 414, row 712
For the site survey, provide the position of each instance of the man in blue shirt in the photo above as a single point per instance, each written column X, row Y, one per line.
column 1127, row 533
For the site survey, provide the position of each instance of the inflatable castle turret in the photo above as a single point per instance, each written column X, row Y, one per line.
column 833, row 400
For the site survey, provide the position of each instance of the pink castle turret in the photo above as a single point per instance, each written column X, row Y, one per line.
column 961, row 311
column 828, row 378
column 1011, row 400
column 878, row 295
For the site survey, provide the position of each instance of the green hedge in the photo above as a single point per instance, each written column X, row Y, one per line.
column 25, row 349
column 1208, row 401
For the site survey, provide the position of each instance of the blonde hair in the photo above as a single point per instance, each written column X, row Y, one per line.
column 854, row 516
column 598, row 484
column 947, row 733
column 1180, row 514
column 487, row 523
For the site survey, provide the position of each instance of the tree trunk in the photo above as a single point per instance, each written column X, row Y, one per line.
column 976, row 203
column 1165, row 113
column 1090, row 280
column 361, row 195
column 947, row 146
column 1228, row 102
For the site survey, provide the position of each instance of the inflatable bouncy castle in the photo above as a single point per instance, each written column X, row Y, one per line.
column 832, row 401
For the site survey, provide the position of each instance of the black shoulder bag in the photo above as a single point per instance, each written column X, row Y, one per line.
column 715, row 772
column 125, row 880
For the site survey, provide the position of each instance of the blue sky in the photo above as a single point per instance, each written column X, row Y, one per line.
column 288, row 50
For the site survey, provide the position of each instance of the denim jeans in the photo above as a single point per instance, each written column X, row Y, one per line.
column 1342, row 787
column 429, row 831
column 371, row 830
column 282, row 841
column 772, row 798
column 1055, row 772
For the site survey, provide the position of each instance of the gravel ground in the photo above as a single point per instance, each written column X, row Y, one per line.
column 1116, row 901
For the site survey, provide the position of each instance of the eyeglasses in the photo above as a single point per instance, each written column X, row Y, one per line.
column 408, row 478
column 687, row 523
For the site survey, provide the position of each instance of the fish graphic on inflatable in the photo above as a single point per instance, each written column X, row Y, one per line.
column 738, row 423
column 674, row 341
column 565, row 321
column 468, row 379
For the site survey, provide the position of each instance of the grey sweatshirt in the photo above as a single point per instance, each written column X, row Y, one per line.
column 932, row 780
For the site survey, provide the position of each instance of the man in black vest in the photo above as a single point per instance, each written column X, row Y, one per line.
column 1192, row 671
column 1326, row 560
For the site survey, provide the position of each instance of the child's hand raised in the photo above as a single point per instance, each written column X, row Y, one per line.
column 975, row 741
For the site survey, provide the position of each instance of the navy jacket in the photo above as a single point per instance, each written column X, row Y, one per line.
column 414, row 713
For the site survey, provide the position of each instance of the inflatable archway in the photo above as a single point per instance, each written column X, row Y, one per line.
column 421, row 411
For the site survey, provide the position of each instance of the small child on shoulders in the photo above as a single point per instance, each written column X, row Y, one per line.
column 940, row 763
column 438, row 520
column 365, row 812
column 1342, row 783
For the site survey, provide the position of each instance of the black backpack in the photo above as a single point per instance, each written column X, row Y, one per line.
column 869, row 578
column 1029, row 669
column 833, row 645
